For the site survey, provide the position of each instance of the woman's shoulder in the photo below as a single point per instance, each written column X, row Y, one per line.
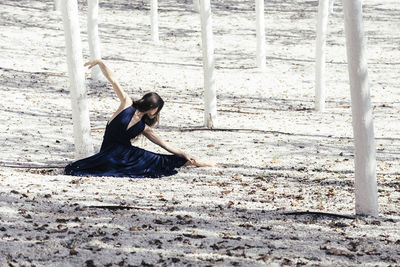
column 120, row 110
column 125, row 108
column 127, row 101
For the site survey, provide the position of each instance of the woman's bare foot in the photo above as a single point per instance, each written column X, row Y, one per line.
column 197, row 163
column 203, row 164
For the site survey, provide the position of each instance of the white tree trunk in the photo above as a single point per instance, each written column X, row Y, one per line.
column 57, row 4
column 260, row 32
column 331, row 5
column 365, row 162
column 154, row 21
column 210, row 96
column 80, row 111
column 93, row 36
column 322, row 22
column 196, row 5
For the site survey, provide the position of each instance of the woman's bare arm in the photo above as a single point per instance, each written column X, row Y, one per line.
column 123, row 97
column 149, row 133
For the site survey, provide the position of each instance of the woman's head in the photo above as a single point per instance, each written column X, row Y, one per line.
column 151, row 104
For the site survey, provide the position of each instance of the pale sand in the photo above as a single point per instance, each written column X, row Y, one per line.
column 286, row 158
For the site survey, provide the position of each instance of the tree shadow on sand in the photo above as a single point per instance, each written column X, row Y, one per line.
column 153, row 230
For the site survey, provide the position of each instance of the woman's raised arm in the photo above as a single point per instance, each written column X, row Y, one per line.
column 123, row 97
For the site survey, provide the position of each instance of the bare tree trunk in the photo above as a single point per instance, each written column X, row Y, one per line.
column 154, row 21
column 260, row 30
column 322, row 23
column 365, row 162
column 80, row 111
column 331, row 5
column 210, row 96
column 93, row 37
column 57, row 4
column 196, row 5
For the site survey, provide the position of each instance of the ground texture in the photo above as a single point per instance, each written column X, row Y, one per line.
column 285, row 195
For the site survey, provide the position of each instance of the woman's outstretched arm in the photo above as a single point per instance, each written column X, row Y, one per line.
column 123, row 97
column 149, row 133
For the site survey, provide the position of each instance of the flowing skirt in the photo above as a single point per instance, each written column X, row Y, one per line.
column 126, row 161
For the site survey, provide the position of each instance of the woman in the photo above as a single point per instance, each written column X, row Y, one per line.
column 117, row 157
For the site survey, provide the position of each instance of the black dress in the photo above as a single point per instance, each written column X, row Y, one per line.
column 117, row 157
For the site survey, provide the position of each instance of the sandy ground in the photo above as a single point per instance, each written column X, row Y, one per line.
column 281, row 156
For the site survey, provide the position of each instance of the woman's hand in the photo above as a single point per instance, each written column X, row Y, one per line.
column 123, row 97
column 196, row 163
column 92, row 63
column 188, row 158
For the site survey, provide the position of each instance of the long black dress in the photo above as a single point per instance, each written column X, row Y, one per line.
column 117, row 157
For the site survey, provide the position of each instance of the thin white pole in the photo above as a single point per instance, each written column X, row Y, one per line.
column 365, row 160
column 210, row 95
column 260, row 32
column 196, row 5
column 154, row 21
column 57, row 4
column 322, row 22
column 331, row 5
column 93, row 36
column 80, row 110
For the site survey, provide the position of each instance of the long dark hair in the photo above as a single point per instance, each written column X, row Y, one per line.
column 147, row 102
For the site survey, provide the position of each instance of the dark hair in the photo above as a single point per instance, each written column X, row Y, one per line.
column 147, row 102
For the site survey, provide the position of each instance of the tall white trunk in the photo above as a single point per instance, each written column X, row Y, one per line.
column 260, row 30
column 322, row 22
column 154, row 21
column 80, row 111
column 210, row 96
column 331, row 5
column 57, row 4
column 93, row 36
column 365, row 162
column 196, row 5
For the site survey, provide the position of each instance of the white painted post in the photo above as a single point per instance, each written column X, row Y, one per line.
column 322, row 22
column 365, row 161
column 210, row 96
column 57, row 4
column 154, row 21
column 196, row 5
column 93, row 37
column 76, row 73
column 331, row 5
column 260, row 32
